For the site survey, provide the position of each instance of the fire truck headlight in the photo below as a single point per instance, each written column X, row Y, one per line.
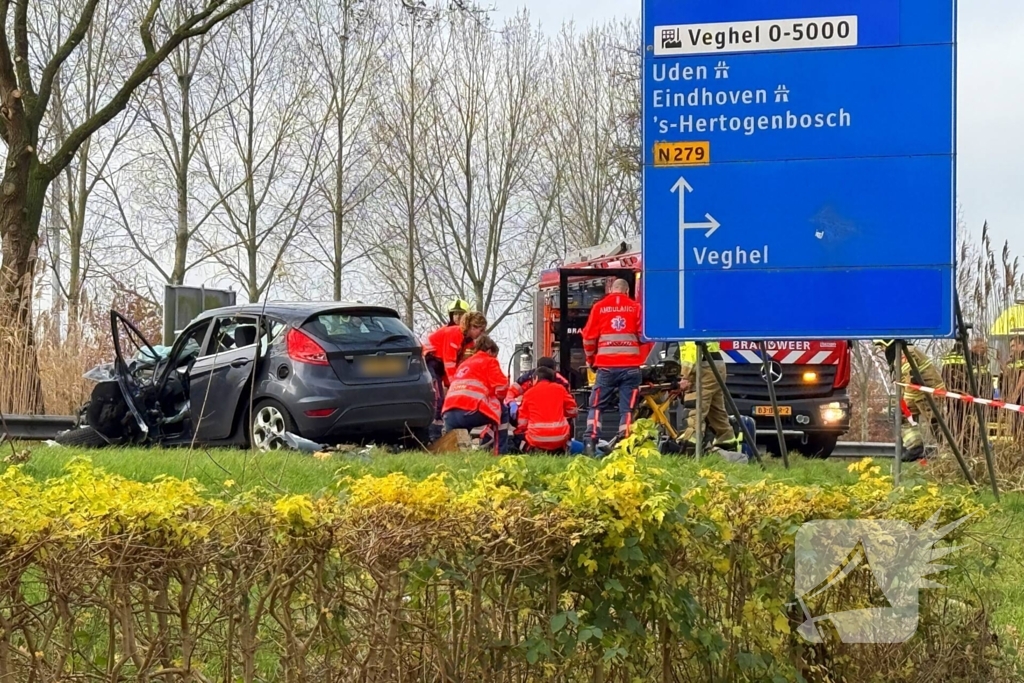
column 810, row 377
column 833, row 412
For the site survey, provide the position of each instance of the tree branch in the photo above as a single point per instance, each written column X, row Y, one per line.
column 77, row 35
column 196, row 25
column 21, row 49
column 146, row 27
column 8, row 80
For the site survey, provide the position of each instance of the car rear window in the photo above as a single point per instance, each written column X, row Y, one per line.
column 359, row 330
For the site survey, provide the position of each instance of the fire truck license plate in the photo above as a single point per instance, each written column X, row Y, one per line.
column 766, row 411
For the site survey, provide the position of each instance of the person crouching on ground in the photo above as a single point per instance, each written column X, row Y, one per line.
column 529, row 378
column 545, row 413
column 522, row 385
column 443, row 350
column 477, row 392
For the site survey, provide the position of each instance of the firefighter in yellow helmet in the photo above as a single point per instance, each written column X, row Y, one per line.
column 713, row 412
column 915, row 400
column 456, row 309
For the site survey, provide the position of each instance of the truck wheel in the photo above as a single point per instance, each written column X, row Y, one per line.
column 82, row 437
column 820, row 447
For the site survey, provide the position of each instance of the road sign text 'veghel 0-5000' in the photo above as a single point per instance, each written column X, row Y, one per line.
column 822, row 202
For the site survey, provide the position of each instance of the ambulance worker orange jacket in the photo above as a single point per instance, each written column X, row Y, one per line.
column 529, row 380
column 546, row 407
column 446, row 343
column 478, row 385
column 611, row 338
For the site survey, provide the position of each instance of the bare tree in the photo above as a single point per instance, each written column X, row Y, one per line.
column 261, row 153
column 28, row 72
column 177, row 108
column 80, row 87
column 489, row 217
column 596, row 132
column 400, row 126
column 342, row 40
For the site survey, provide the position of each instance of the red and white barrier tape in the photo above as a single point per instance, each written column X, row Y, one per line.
column 965, row 398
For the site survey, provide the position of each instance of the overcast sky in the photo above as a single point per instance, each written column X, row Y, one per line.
column 991, row 101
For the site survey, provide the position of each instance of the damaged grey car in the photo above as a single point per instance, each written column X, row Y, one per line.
column 247, row 375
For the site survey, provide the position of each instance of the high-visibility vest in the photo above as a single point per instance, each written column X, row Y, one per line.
column 479, row 385
column 529, row 379
column 445, row 344
column 544, row 415
column 611, row 337
column 953, row 359
column 688, row 351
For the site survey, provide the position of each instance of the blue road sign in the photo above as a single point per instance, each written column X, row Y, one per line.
column 799, row 169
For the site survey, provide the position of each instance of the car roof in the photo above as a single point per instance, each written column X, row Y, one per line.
column 296, row 312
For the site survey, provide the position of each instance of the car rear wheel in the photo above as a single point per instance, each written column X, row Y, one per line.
column 269, row 422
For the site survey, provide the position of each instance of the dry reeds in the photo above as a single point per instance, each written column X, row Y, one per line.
column 41, row 369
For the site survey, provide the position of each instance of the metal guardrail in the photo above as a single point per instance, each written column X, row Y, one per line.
column 864, row 449
column 36, row 427
column 45, row 427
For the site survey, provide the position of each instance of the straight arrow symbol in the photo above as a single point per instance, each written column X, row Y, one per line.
column 681, row 187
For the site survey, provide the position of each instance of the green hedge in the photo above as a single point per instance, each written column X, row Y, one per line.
column 609, row 571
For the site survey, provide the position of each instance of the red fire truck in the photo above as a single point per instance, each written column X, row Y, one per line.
column 810, row 377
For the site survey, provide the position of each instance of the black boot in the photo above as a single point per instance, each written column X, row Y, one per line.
column 590, row 448
column 671, row 447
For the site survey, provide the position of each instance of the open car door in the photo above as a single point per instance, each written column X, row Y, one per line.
column 220, row 378
column 135, row 362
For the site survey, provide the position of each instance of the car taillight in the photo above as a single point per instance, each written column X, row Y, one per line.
column 322, row 412
column 302, row 348
column 843, row 370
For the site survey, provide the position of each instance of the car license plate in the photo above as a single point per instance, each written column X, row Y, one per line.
column 383, row 366
column 766, row 411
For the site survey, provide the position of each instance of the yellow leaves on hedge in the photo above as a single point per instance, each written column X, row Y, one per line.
column 295, row 512
column 496, row 486
column 621, row 509
column 626, row 495
column 88, row 502
column 430, row 498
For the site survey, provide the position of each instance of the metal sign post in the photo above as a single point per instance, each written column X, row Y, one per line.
column 979, row 414
column 897, row 414
column 730, row 405
column 698, row 423
column 916, row 378
column 770, row 380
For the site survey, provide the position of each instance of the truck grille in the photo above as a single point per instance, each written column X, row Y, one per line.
column 745, row 382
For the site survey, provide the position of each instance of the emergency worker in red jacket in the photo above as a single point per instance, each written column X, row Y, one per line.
column 529, row 379
column 611, row 341
column 442, row 351
column 544, row 415
column 477, row 392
